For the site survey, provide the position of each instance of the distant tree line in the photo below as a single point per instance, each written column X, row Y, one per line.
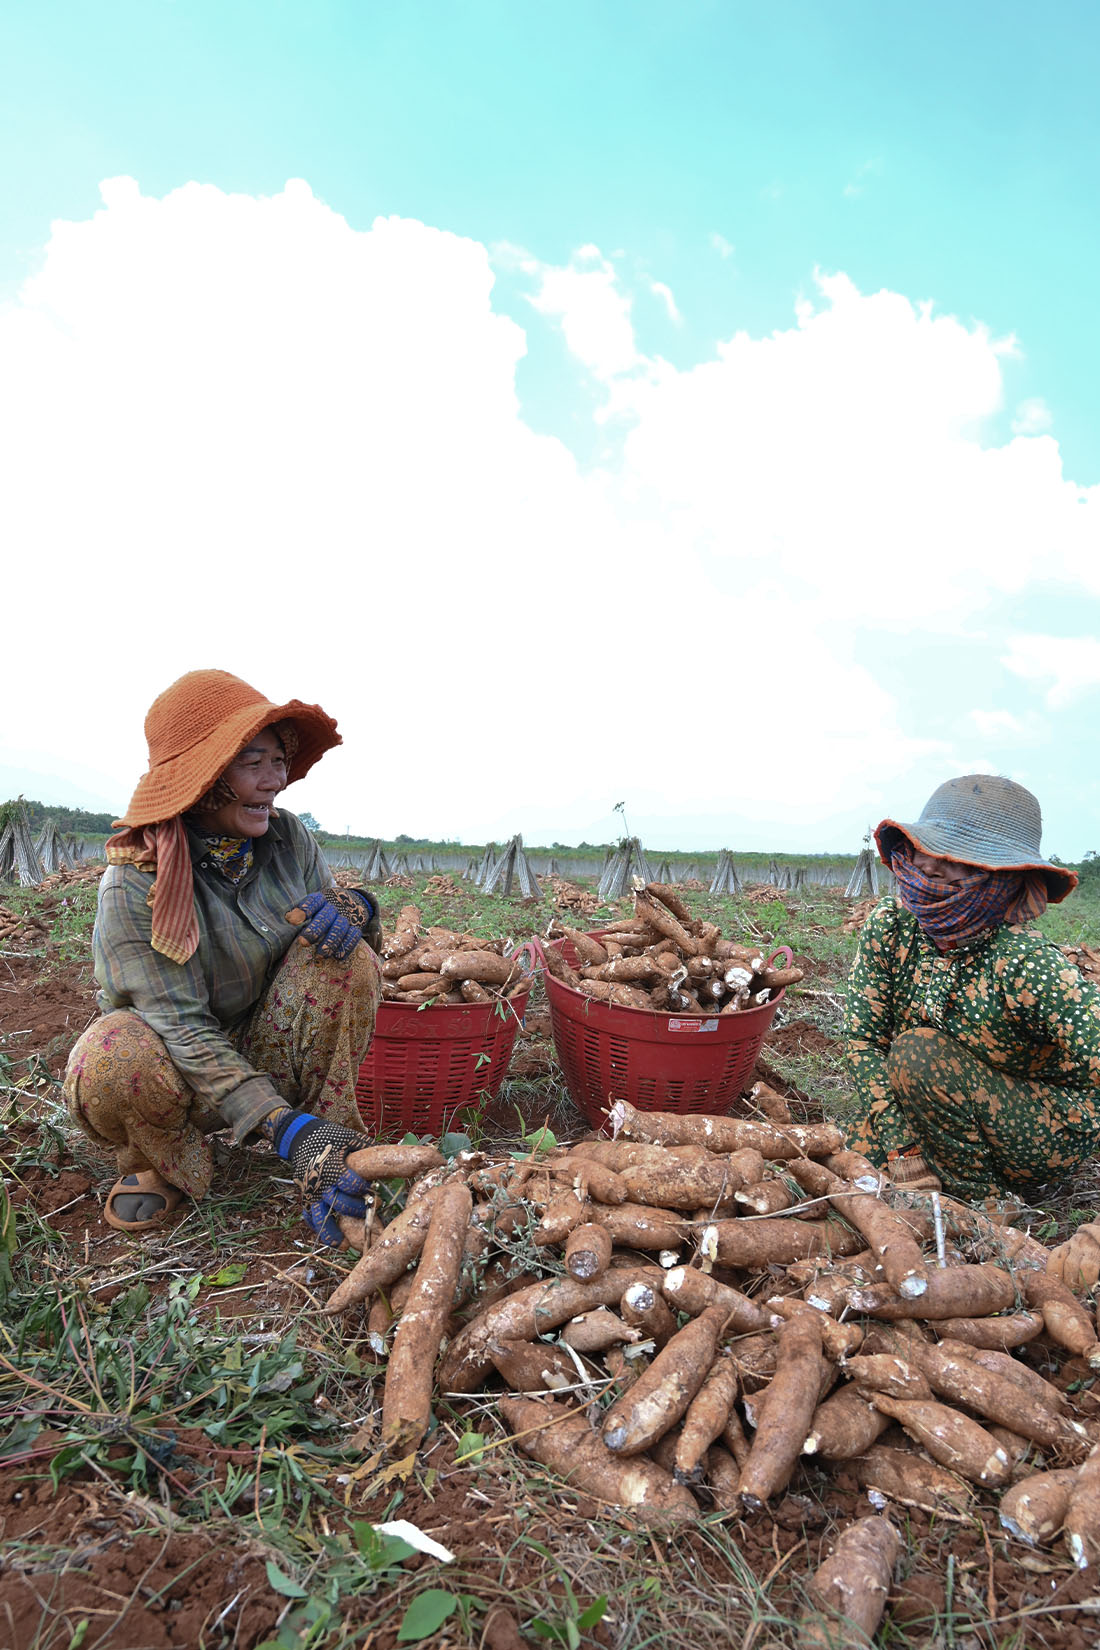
column 77, row 820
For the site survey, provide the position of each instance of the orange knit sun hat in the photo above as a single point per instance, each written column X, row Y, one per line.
column 196, row 727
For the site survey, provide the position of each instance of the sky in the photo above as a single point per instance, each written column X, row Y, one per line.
column 688, row 405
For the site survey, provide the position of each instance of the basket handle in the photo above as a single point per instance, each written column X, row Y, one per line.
column 530, row 956
column 781, row 951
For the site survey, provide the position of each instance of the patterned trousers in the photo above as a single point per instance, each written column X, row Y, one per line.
column 308, row 1033
column 986, row 1134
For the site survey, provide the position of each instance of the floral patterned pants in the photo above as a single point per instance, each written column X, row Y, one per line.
column 985, row 1134
column 308, row 1033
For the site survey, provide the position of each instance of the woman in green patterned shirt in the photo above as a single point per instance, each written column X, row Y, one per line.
column 973, row 1042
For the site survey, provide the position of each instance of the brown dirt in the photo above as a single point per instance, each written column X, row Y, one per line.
column 801, row 1037
column 44, row 1007
column 76, row 1556
column 90, row 1552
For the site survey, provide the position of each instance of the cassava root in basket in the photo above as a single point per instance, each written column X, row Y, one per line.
column 430, row 965
column 666, row 961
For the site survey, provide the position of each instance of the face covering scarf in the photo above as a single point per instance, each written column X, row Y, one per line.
column 953, row 914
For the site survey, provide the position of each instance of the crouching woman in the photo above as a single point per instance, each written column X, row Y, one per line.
column 974, row 1044
column 235, row 991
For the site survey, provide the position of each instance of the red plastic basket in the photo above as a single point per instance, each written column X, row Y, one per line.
column 659, row 1062
column 424, row 1065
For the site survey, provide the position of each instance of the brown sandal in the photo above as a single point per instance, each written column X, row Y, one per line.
column 131, row 1185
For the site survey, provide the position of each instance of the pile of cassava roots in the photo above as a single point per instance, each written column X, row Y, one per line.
column 693, row 1312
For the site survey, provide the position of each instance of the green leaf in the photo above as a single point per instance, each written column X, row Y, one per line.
column 21, row 1436
column 381, row 1552
column 426, row 1614
column 8, row 1241
column 543, row 1140
column 455, row 1142
column 470, row 1446
column 595, row 1612
column 284, row 1584
column 231, row 1274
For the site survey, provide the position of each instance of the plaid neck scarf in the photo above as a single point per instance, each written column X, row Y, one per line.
column 954, row 914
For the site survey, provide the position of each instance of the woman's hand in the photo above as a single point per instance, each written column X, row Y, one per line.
column 335, row 921
column 317, row 1153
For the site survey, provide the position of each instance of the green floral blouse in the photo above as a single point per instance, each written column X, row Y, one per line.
column 1012, row 999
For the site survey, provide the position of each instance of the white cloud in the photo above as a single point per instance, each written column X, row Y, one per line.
column 1069, row 665
column 239, row 432
column 593, row 309
column 1000, row 726
column 724, row 248
column 846, row 457
column 1032, row 417
column 665, row 294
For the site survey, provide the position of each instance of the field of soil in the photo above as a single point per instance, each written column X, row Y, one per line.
column 190, row 1452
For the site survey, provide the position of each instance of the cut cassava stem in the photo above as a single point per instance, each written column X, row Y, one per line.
column 888, row 1237
column 954, row 1440
column 706, row 1417
column 524, row 1316
column 588, row 1251
column 569, row 1447
column 687, row 1290
column 660, row 1397
column 953, row 1292
column 385, row 1260
column 1082, row 1520
column 846, row 1424
column 1034, row 1510
column 399, row 1162
column 406, row 1403
column 848, row 1592
column 911, row 1480
column 792, row 1398
column 1066, row 1320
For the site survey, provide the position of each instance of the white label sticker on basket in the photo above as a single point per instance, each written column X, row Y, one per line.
column 693, row 1025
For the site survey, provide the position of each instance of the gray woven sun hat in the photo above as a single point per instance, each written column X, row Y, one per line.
column 981, row 820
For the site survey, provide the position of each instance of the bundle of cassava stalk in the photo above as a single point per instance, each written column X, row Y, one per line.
column 665, row 960
column 438, row 965
column 697, row 1311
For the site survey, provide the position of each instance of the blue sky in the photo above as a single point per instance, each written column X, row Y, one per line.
column 717, row 156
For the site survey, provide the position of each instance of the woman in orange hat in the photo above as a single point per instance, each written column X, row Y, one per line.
column 973, row 1043
column 211, row 1017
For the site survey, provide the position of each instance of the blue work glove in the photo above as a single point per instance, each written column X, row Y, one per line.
column 317, row 1153
column 335, row 920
